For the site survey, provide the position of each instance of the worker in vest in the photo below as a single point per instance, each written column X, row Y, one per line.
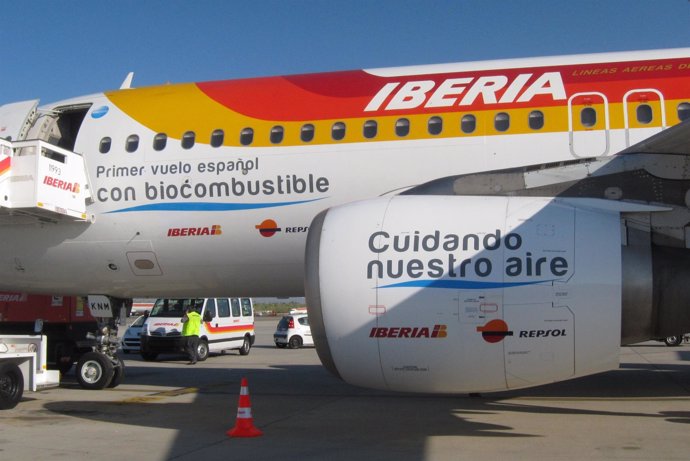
column 191, row 325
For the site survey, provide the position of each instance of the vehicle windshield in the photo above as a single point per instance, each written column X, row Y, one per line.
column 139, row 322
column 283, row 323
column 175, row 307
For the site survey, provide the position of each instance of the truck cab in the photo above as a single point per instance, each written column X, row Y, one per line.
column 227, row 323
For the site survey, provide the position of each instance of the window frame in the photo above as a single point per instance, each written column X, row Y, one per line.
column 247, row 136
column 106, row 141
column 217, row 138
column 434, row 125
column 132, row 143
column 158, row 139
column 499, row 119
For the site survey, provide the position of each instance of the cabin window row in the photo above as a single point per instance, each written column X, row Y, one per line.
column 468, row 125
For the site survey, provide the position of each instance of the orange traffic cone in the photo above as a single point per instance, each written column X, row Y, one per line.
column 244, row 425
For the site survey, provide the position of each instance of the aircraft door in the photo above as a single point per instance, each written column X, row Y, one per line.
column 643, row 114
column 16, row 119
column 588, row 124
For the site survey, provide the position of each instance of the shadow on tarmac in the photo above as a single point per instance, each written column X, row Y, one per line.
column 308, row 414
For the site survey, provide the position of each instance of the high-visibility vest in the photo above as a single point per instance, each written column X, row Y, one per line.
column 192, row 326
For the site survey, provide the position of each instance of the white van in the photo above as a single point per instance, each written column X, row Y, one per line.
column 228, row 323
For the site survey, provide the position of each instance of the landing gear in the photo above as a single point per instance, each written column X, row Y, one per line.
column 118, row 373
column 101, row 367
column 94, row 370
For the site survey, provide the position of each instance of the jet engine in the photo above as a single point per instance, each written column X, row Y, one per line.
column 449, row 294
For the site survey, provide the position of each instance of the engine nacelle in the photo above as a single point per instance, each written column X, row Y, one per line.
column 465, row 294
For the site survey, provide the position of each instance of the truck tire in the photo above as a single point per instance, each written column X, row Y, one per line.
column 11, row 385
column 118, row 373
column 202, row 350
column 674, row 340
column 246, row 346
column 94, row 371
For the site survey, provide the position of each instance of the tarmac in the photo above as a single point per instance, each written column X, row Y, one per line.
column 168, row 410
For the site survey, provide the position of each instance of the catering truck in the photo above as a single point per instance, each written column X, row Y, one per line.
column 66, row 323
column 75, row 330
column 23, row 367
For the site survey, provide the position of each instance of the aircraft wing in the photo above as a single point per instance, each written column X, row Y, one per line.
column 654, row 172
column 673, row 140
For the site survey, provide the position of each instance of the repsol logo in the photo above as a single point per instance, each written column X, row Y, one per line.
column 194, row 231
column 437, row 331
column 541, row 333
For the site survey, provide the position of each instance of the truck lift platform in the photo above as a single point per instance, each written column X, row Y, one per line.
column 43, row 181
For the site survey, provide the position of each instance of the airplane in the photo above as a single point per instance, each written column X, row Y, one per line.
column 463, row 227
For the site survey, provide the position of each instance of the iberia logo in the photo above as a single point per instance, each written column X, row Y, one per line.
column 60, row 184
column 268, row 228
column 494, row 331
column 437, row 331
column 194, row 231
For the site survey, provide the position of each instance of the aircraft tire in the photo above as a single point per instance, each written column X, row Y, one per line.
column 118, row 373
column 94, row 371
column 11, row 385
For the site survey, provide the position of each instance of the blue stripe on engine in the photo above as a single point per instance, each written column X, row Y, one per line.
column 460, row 284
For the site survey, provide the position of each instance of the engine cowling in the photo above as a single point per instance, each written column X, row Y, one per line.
column 465, row 294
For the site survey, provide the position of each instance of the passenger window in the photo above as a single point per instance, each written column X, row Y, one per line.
column 276, row 135
column 104, row 146
column 307, row 133
column 188, row 140
column 159, row 141
column 536, row 120
column 132, row 143
column 588, row 117
column 223, row 307
column 435, row 125
column 644, row 113
column 246, row 136
column 210, row 308
column 370, row 129
column 217, row 138
column 402, row 127
column 683, row 111
column 338, row 131
column 468, row 123
column 235, row 307
column 246, row 307
column 502, row 121
column 304, row 321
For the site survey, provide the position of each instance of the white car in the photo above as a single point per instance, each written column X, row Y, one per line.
column 131, row 342
column 294, row 331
